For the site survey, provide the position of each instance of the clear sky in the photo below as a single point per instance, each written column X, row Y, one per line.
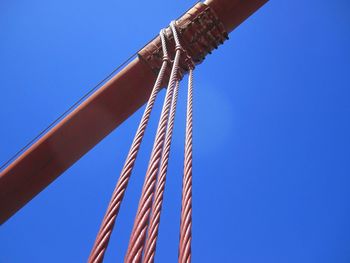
column 271, row 132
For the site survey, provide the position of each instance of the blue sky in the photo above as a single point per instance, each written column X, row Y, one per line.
column 271, row 132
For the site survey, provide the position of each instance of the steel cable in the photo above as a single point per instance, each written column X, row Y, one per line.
column 108, row 222
column 186, row 210
column 138, row 235
column 150, row 246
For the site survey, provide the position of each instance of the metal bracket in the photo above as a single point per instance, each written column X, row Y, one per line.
column 200, row 32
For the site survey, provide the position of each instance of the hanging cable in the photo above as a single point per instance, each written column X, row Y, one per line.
column 186, row 210
column 150, row 246
column 138, row 235
column 108, row 222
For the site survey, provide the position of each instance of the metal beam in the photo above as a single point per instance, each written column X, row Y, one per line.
column 93, row 120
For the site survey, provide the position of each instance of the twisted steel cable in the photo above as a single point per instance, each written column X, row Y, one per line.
column 103, row 236
column 138, row 235
column 186, row 210
column 151, row 240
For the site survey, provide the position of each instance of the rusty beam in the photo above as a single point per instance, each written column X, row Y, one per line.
column 95, row 118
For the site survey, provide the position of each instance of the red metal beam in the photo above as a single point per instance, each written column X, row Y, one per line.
column 94, row 119
column 233, row 12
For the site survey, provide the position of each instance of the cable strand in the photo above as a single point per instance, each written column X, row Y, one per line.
column 186, row 210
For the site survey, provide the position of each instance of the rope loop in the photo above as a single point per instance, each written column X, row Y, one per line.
column 162, row 35
column 178, row 47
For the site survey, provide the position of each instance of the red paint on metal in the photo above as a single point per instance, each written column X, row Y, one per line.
column 94, row 119
column 76, row 134
column 233, row 12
